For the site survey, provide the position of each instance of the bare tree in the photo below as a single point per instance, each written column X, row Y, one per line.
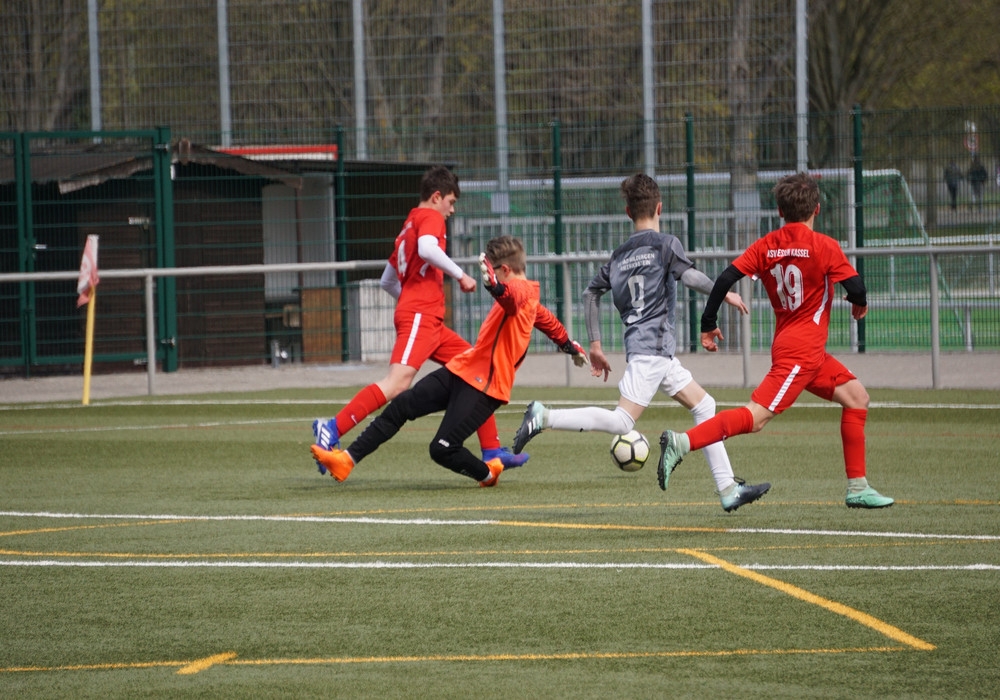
column 861, row 51
column 42, row 77
column 434, row 99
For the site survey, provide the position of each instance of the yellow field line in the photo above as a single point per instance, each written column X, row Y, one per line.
column 209, row 661
column 71, row 528
column 802, row 594
column 230, row 659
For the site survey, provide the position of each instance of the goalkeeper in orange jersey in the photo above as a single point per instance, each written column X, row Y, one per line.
column 475, row 383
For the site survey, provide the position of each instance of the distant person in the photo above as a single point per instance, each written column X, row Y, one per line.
column 798, row 267
column 642, row 277
column 474, row 383
column 952, row 178
column 977, row 179
column 414, row 277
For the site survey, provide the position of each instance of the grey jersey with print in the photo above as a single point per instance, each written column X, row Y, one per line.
column 642, row 276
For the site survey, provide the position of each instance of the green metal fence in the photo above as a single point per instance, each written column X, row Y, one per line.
column 160, row 203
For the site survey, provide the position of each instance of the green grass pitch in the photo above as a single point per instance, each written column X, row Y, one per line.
column 187, row 547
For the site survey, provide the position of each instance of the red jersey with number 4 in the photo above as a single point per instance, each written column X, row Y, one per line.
column 798, row 267
column 422, row 283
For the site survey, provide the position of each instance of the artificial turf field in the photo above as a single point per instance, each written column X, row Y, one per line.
column 187, row 547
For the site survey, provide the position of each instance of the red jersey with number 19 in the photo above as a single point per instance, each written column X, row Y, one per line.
column 798, row 267
column 422, row 283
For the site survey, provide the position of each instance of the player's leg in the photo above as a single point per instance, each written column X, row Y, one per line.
column 429, row 395
column 327, row 433
column 838, row 384
column 679, row 385
column 375, row 396
column 776, row 392
column 616, row 421
column 416, row 338
column 733, row 492
column 451, row 344
column 426, row 396
column 637, row 388
column 467, row 408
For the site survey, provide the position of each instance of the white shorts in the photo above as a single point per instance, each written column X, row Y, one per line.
column 644, row 374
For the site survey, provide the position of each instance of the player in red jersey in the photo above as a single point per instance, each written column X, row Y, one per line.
column 798, row 268
column 414, row 276
column 473, row 384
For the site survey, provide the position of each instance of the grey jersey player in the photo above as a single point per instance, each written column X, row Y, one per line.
column 642, row 277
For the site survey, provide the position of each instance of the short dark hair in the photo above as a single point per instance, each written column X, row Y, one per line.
column 641, row 195
column 797, row 197
column 438, row 179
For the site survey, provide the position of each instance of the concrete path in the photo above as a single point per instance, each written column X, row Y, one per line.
column 903, row 371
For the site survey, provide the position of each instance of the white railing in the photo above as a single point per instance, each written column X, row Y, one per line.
column 932, row 253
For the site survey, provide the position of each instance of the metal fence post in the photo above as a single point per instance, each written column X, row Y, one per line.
column 150, row 336
column 557, row 213
column 340, row 207
column 935, row 325
column 567, row 318
column 694, row 327
column 26, row 246
column 166, row 247
column 859, row 209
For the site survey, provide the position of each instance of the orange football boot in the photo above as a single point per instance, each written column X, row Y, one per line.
column 337, row 462
column 495, row 467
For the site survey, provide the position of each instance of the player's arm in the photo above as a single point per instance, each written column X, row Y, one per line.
column 599, row 364
column 429, row 250
column 857, row 296
column 710, row 332
column 390, row 281
column 695, row 279
column 547, row 323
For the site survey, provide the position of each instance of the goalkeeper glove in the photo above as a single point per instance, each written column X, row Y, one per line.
column 490, row 276
column 571, row 347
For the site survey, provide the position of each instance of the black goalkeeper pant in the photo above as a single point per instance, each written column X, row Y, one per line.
column 465, row 409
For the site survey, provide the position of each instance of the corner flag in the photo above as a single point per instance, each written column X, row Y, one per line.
column 86, row 287
column 88, row 271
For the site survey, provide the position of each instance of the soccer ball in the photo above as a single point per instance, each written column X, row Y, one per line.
column 629, row 451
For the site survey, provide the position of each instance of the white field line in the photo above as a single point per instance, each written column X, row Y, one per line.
column 160, row 426
column 515, row 408
column 181, row 564
column 363, row 520
column 302, row 419
column 366, row 520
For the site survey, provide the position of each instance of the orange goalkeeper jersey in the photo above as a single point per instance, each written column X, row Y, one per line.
column 503, row 340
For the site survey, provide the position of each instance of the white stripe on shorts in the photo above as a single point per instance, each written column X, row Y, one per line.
column 409, row 341
column 784, row 387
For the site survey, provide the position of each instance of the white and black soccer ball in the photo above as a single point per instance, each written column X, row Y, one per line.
column 629, row 451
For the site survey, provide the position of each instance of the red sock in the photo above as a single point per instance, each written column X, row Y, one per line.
column 489, row 435
column 852, row 433
column 364, row 402
column 725, row 424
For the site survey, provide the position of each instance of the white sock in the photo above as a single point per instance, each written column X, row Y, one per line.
column 857, row 485
column 715, row 454
column 616, row 422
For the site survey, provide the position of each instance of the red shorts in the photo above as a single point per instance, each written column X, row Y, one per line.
column 420, row 337
column 786, row 380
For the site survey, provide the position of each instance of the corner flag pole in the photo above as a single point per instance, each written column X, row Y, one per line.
column 88, row 348
column 86, row 287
